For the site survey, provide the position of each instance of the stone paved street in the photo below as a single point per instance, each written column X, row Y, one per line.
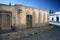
column 50, row 35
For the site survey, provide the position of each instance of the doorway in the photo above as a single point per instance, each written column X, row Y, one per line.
column 29, row 21
column 52, row 19
column 6, row 21
column 57, row 19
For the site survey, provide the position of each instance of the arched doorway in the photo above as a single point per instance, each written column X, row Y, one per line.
column 29, row 21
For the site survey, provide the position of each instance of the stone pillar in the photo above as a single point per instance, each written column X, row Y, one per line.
column 33, row 19
column 39, row 19
column 44, row 18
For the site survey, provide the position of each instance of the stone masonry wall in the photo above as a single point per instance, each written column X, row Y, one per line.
column 22, row 33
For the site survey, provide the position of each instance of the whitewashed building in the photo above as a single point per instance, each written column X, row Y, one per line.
column 54, row 18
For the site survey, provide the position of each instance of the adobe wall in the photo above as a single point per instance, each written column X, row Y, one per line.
column 39, row 16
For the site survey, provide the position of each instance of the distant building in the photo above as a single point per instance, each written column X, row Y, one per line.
column 20, row 16
column 55, row 17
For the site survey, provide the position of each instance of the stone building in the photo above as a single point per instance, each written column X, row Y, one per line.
column 20, row 16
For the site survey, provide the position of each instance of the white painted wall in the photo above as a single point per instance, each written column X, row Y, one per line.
column 57, row 14
column 54, row 17
column 59, row 17
column 50, row 18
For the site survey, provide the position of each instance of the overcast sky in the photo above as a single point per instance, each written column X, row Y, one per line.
column 43, row 4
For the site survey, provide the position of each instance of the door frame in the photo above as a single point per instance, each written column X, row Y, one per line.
column 29, row 21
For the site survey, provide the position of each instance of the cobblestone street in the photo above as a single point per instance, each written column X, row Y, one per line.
column 50, row 35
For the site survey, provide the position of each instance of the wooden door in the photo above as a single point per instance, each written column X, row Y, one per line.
column 29, row 21
column 6, row 21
